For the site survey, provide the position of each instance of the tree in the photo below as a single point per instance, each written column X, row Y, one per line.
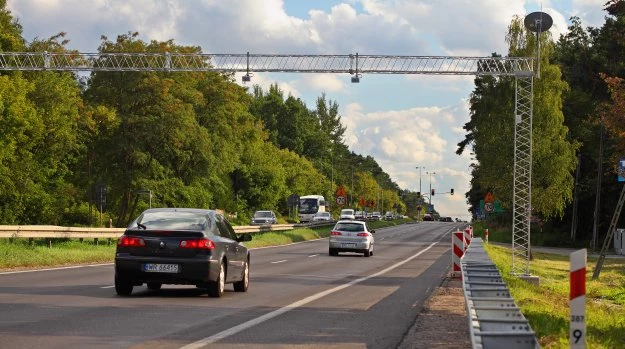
column 491, row 131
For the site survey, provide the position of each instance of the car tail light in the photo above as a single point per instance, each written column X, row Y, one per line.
column 363, row 234
column 201, row 244
column 335, row 233
column 130, row 241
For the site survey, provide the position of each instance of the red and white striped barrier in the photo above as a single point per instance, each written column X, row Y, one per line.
column 457, row 251
column 577, row 299
column 467, row 237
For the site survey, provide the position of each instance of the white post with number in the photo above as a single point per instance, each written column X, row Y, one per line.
column 577, row 299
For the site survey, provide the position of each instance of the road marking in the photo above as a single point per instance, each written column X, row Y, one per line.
column 276, row 262
column 51, row 269
column 107, row 286
column 313, row 255
column 248, row 324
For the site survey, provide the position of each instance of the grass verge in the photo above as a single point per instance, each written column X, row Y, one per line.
column 547, row 306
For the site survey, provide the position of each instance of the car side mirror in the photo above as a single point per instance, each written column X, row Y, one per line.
column 372, row 231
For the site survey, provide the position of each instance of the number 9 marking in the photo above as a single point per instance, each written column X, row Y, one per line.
column 577, row 334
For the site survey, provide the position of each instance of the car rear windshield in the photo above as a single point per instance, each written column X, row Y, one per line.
column 173, row 220
column 349, row 227
column 262, row 214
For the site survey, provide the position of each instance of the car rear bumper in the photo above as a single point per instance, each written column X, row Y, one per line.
column 350, row 246
column 190, row 271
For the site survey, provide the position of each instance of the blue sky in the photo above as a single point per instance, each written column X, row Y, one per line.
column 402, row 121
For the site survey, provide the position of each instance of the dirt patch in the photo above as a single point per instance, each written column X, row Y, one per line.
column 443, row 322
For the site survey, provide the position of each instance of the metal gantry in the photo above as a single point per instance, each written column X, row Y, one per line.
column 521, row 68
column 245, row 62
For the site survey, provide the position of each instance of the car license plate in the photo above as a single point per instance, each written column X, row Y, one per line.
column 160, row 268
column 348, row 245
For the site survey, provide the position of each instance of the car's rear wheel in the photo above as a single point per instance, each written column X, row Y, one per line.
column 154, row 286
column 216, row 288
column 369, row 252
column 333, row 252
column 242, row 286
column 123, row 288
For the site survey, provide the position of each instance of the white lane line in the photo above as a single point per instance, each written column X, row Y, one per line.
column 51, row 269
column 108, row 286
column 244, row 326
column 276, row 262
column 313, row 255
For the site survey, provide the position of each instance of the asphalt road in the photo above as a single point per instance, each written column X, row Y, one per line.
column 299, row 297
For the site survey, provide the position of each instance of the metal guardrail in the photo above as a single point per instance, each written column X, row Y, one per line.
column 53, row 231
column 495, row 321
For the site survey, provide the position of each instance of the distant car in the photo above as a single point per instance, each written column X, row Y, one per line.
column 322, row 217
column 389, row 215
column 182, row 246
column 376, row 216
column 360, row 215
column 428, row 217
column 351, row 236
column 264, row 217
column 347, row 213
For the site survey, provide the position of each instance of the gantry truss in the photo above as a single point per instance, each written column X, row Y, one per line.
column 181, row 62
column 521, row 68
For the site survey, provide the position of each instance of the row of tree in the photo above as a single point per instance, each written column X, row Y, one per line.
column 578, row 126
column 71, row 144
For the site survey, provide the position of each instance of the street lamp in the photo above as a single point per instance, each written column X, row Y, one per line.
column 420, row 168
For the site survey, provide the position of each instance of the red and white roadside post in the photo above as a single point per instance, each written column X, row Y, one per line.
column 467, row 238
column 457, row 251
column 577, row 299
column 486, row 235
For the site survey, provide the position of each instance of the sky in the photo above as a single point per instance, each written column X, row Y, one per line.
column 410, row 124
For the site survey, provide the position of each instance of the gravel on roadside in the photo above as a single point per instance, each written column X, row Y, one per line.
column 443, row 322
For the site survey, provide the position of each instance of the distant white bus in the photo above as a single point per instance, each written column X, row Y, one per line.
column 309, row 205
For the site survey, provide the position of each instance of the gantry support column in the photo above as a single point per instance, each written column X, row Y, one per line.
column 522, row 209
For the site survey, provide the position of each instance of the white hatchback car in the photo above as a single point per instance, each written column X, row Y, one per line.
column 351, row 236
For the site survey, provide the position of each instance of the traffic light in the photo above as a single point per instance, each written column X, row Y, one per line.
column 452, row 191
column 432, row 192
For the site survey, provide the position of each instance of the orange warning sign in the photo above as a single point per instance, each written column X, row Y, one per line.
column 340, row 191
column 489, row 197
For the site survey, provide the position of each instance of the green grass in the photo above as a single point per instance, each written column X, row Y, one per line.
column 547, row 306
column 19, row 254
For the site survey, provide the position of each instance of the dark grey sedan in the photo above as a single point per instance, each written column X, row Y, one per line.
column 182, row 246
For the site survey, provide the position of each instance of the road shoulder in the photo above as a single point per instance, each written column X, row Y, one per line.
column 443, row 322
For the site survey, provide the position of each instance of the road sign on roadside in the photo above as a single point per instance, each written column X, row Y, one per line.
column 340, row 200
column 621, row 170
